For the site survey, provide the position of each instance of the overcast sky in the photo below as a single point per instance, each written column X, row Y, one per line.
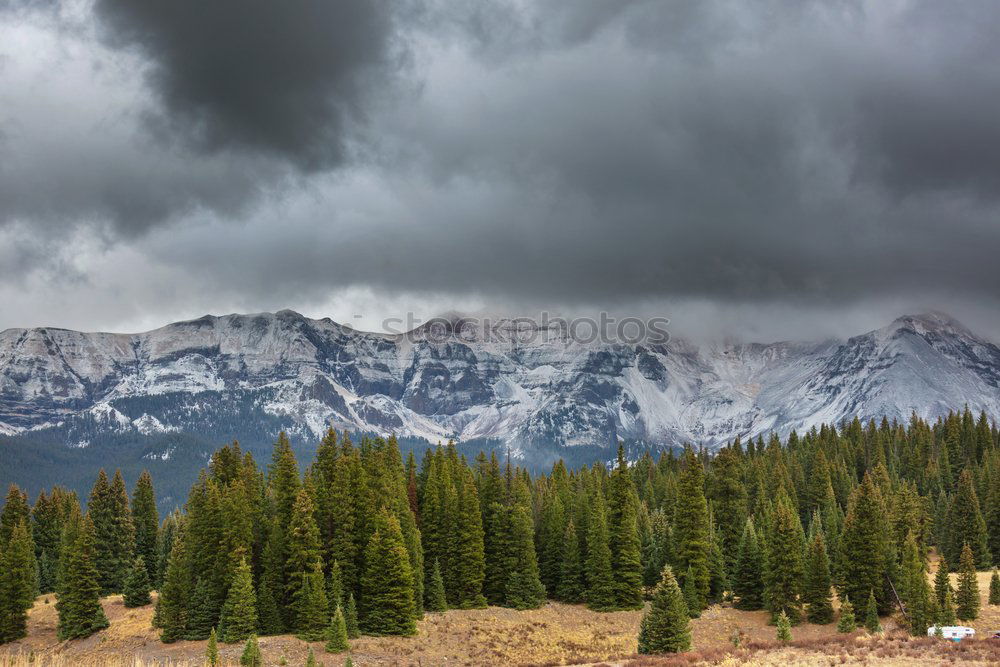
column 769, row 169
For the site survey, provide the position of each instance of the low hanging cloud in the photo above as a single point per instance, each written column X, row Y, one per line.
column 758, row 157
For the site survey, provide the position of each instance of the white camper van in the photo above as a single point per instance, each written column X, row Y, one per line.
column 953, row 632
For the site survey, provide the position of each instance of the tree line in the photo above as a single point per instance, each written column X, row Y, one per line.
column 366, row 540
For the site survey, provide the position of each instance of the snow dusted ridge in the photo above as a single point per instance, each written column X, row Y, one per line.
column 315, row 373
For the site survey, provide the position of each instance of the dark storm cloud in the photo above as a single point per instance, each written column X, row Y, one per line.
column 282, row 78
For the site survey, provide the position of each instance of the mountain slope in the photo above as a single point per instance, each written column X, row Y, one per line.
column 248, row 375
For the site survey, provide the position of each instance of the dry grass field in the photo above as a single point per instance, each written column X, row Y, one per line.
column 556, row 634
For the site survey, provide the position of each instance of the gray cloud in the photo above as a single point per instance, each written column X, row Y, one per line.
column 773, row 157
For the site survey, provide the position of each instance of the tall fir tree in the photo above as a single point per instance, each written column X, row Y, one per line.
column 351, row 618
column 691, row 525
column 872, row 623
column 748, row 580
column 994, row 598
column 146, row 521
column 626, row 554
column 665, row 626
column 914, row 588
column 816, row 586
column 302, row 547
column 239, row 613
column 965, row 524
column 312, row 614
column 942, row 582
column 172, row 605
column 784, row 573
column 865, row 553
column 336, row 633
column 17, row 583
column 524, row 587
column 79, row 603
column 570, row 587
column 113, row 531
column 136, row 590
column 387, row 583
column 600, row 583
column 967, row 598
column 469, row 559
column 847, row 621
column 436, row 599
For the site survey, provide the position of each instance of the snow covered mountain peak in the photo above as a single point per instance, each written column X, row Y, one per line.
column 472, row 377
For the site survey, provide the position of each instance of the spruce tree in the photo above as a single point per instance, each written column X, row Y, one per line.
column 967, row 607
column 17, row 583
column 79, row 603
column 816, row 588
column 600, row 584
column 942, row 582
column 784, row 629
column 549, row 538
column 748, row 580
column 312, row 615
column 468, row 556
column 914, row 588
column 335, row 588
column 965, row 524
column 201, row 612
column 729, row 500
column 623, row 531
column 994, row 588
column 351, row 618
column 303, row 560
column 212, row 650
column 251, row 656
column 146, row 521
column 387, row 582
column 865, row 551
column 136, row 592
column 524, row 587
column 114, row 534
column 172, row 605
column 872, row 623
column 784, row 564
column 665, row 626
column 847, row 621
column 15, row 510
column 268, row 619
column 435, row 591
column 239, row 612
column 336, row 633
column 571, row 587
column 691, row 526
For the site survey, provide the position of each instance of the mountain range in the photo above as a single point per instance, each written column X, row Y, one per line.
column 149, row 396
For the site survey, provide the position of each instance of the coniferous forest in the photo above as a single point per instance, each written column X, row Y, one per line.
column 362, row 541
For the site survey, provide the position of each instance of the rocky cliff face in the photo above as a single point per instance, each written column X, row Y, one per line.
column 286, row 370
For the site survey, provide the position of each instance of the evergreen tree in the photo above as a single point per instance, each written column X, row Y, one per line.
column 201, row 612
column 268, row 619
column 146, row 521
column 17, row 583
column 729, row 499
column 967, row 608
column 942, row 583
column 435, row 591
column 336, row 633
column 571, row 587
column 251, row 656
column 212, row 650
column 994, row 588
column 691, row 525
column 312, row 613
column 114, row 534
column 665, row 627
column 784, row 564
column 351, row 618
column 172, row 605
column 965, row 524
column 239, row 613
column 549, row 538
column 846, row 622
column 15, row 510
column 691, row 597
column 865, row 552
column 600, row 584
column 136, row 593
column 914, row 588
column 872, row 623
column 784, row 627
column 79, row 603
column 626, row 554
column 335, row 588
column 816, row 588
column 748, row 580
column 524, row 588
column 303, row 561
column 947, row 613
column 468, row 569
column 387, row 582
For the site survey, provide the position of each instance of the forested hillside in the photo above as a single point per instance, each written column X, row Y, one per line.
column 372, row 540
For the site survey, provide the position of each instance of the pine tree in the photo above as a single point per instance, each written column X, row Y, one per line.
column 942, row 582
column 212, row 650
column 729, row 500
column 967, row 608
column 816, row 588
column 336, row 633
column 387, row 582
column 571, row 588
column 994, row 588
column 748, row 580
column 468, row 568
column 303, row 561
column 846, row 622
column 172, row 605
column 114, row 534
column 524, row 587
column 914, row 588
column 549, row 538
column 600, row 584
column 146, row 521
column 79, row 603
column 251, row 654
column 239, row 612
column 665, row 626
column 691, row 598
column 312, row 613
column 201, row 612
column 784, row 627
column 966, row 525
column 691, row 525
column 268, row 619
column 136, row 592
column 17, row 583
column 784, row 563
column 872, row 623
column 435, row 591
column 335, row 588
column 15, row 510
column 626, row 553
column 865, row 551
column 351, row 618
